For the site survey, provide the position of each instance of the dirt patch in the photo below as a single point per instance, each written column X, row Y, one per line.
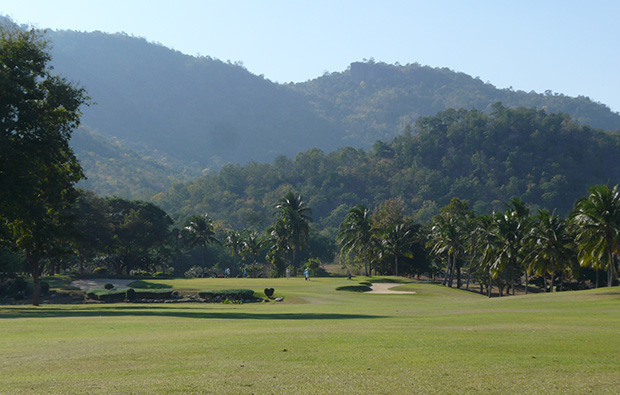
column 98, row 283
column 386, row 288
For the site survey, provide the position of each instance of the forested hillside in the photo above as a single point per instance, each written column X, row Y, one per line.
column 372, row 101
column 206, row 113
column 548, row 160
column 112, row 169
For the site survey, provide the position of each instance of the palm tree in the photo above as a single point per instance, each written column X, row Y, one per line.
column 294, row 217
column 199, row 232
column 397, row 240
column 234, row 244
column 597, row 221
column 252, row 243
column 355, row 233
column 445, row 239
column 552, row 247
column 505, row 243
column 449, row 233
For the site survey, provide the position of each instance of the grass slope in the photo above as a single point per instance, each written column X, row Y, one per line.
column 318, row 340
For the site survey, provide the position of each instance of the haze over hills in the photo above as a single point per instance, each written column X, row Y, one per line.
column 201, row 113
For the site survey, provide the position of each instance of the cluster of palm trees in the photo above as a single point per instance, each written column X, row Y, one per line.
column 503, row 248
column 374, row 238
column 285, row 238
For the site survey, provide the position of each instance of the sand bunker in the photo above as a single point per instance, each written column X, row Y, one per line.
column 385, row 288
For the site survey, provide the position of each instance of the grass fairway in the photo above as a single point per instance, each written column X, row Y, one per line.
column 318, row 340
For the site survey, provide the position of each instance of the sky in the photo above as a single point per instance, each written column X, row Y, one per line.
column 569, row 47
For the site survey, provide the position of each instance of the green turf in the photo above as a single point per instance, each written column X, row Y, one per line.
column 318, row 340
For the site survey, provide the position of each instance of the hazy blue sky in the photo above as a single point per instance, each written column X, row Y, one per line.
column 570, row 47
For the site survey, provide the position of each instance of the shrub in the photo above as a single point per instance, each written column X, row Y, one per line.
column 44, row 287
column 15, row 288
column 100, row 270
column 163, row 274
column 232, row 294
column 195, row 272
column 130, row 294
column 108, row 286
column 354, row 288
column 140, row 273
column 147, row 285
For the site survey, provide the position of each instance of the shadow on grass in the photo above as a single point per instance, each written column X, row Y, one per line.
column 161, row 311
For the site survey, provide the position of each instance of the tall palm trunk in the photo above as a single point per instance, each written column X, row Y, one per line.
column 552, row 280
column 526, row 281
column 610, row 269
column 396, row 264
column 445, row 277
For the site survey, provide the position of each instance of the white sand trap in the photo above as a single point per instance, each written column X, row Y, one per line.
column 98, row 283
column 385, row 288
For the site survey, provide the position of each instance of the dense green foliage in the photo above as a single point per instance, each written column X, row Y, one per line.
column 547, row 160
column 38, row 170
column 112, row 169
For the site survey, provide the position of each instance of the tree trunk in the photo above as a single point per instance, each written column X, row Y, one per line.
column 366, row 263
column 36, row 287
column 526, row 282
column 610, row 270
column 459, row 282
column 490, row 285
column 445, row 278
column 468, row 276
column 395, row 265
column 451, row 272
column 552, row 279
column 596, row 286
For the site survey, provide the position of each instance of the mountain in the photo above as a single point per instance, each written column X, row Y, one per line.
column 201, row 113
column 376, row 101
column 548, row 160
column 194, row 109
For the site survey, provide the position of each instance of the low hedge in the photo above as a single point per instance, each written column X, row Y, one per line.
column 142, row 284
column 354, row 288
column 232, row 294
column 116, row 295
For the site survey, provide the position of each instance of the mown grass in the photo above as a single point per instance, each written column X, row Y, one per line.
column 318, row 340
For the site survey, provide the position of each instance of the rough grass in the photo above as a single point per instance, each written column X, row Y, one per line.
column 318, row 340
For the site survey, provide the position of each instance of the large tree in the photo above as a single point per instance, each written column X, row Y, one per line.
column 199, row 232
column 38, row 170
column 597, row 221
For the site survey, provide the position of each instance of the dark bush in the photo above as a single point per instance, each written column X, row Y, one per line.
column 354, row 288
column 44, row 287
column 108, row 286
column 130, row 294
column 232, row 294
column 14, row 288
column 269, row 292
